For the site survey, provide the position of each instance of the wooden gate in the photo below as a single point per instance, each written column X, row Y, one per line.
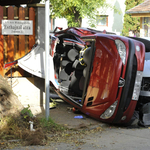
column 13, row 47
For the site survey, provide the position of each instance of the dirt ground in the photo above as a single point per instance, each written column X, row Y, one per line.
column 80, row 134
column 63, row 114
column 12, row 135
column 87, row 134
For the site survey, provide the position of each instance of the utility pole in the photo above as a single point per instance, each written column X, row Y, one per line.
column 47, row 45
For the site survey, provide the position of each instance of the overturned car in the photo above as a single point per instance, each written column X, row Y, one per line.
column 98, row 73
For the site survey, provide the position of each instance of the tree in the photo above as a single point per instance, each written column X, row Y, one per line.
column 75, row 10
column 131, row 23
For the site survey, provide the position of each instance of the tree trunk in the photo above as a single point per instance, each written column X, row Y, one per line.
column 77, row 20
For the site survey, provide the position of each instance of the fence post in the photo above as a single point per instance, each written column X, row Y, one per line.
column 16, row 49
column 26, row 36
column 1, row 44
column 10, row 40
column 21, row 37
column 32, row 37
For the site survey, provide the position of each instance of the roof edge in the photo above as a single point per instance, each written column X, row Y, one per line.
column 137, row 12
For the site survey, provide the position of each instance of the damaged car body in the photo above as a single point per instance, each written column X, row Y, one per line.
column 99, row 74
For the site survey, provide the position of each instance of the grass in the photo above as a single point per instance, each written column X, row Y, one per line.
column 11, row 126
column 15, row 132
column 18, row 127
column 50, row 125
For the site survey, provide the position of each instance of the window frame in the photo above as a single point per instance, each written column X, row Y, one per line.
column 98, row 18
column 146, row 26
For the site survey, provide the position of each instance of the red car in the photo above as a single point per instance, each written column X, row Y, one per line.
column 99, row 73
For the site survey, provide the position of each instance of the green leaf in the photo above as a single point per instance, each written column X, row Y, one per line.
column 131, row 23
column 75, row 10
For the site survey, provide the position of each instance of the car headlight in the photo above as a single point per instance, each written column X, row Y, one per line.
column 110, row 111
column 121, row 50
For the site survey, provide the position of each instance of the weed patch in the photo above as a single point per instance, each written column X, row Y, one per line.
column 18, row 127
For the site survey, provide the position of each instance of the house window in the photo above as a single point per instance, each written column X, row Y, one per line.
column 146, row 26
column 102, row 20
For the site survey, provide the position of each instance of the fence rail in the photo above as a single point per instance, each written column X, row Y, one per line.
column 13, row 47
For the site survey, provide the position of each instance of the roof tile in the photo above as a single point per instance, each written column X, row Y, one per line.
column 141, row 8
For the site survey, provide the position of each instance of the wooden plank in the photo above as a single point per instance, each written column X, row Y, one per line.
column 51, row 24
column 16, row 48
column 21, row 41
column 32, row 37
column 1, row 44
column 26, row 36
column 5, row 16
column 16, row 45
column 10, row 39
column 141, row 22
column 5, row 36
column 141, row 15
column 21, row 37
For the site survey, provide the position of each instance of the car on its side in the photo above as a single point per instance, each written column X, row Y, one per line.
column 99, row 73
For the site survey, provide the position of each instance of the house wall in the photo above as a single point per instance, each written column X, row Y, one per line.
column 115, row 20
column 142, row 23
column 61, row 22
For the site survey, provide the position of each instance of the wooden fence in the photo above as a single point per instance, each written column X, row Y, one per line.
column 13, row 47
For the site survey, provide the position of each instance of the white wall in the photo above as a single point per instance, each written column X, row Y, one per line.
column 115, row 20
column 61, row 22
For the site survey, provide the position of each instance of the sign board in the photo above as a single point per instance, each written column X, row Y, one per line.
column 17, row 27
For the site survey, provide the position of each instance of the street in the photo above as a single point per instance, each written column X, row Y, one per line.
column 90, row 134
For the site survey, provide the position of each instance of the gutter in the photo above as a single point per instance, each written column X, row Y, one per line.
column 138, row 12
